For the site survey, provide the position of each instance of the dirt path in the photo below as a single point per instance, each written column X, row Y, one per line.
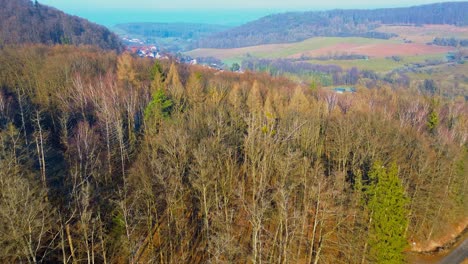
column 453, row 232
column 458, row 255
column 453, row 252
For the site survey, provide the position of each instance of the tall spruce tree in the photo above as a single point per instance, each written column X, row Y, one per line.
column 387, row 204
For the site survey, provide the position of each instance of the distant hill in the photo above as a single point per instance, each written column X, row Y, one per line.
column 169, row 30
column 173, row 37
column 298, row 26
column 23, row 21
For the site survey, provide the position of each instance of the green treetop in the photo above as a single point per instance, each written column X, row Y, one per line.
column 387, row 204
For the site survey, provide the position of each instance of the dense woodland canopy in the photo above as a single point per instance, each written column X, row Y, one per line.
column 184, row 31
column 24, row 21
column 171, row 37
column 298, row 26
column 453, row 42
column 112, row 159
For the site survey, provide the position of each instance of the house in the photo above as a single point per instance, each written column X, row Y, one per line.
column 142, row 53
column 342, row 90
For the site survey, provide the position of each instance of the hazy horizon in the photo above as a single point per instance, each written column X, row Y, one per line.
column 111, row 18
column 239, row 4
column 110, row 13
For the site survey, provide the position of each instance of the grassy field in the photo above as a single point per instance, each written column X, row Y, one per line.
column 450, row 78
column 377, row 49
column 426, row 33
column 275, row 51
column 381, row 64
column 320, row 43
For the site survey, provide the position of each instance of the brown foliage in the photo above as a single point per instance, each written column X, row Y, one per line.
column 244, row 168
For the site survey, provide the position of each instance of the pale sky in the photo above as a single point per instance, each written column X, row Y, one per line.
column 226, row 4
column 221, row 12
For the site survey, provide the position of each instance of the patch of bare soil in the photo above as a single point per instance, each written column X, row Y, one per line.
column 441, row 242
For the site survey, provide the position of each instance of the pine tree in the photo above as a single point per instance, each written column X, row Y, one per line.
column 387, row 206
column 195, row 93
column 433, row 116
column 158, row 109
column 174, row 84
column 157, row 77
column 125, row 71
column 432, row 121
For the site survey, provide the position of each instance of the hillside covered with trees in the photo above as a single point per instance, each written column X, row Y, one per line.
column 173, row 37
column 184, row 31
column 24, row 21
column 298, row 26
column 108, row 158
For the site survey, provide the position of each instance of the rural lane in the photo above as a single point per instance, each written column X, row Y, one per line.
column 458, row 255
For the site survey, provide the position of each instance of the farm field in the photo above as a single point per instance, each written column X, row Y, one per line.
column 276, row 51
column 426, row 33
column 377, row 50
column 382, row 64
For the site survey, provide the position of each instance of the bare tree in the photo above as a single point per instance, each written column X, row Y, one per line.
column 25, row 215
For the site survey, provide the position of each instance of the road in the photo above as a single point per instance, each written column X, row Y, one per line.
column 454, row 254
column 458, row 255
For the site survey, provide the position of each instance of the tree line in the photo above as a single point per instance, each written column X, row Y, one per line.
column 298, row 26
column 24, row 21
column 108, row 158
column 452, row 42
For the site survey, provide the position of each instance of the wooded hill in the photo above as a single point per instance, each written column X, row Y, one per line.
column 23, row 21
column 107, row 158
column 184, row 31
column 172, row 37
column 298, row 26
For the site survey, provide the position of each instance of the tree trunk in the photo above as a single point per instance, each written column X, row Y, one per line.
column 314, row 230
column 70, row 244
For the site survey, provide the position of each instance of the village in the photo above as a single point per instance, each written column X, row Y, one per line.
column 142, row 50
column 153, row 52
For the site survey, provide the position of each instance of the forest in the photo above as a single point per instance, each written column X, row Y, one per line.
column 107, row 158
column 24, row 21
column 298, row 26
column 185, row 31
column 171, row 37
column 325, row 75
column 453, row 42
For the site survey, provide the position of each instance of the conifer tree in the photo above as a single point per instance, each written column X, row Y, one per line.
column 194, row 86
column 174, row 85
column 387, row 205
column 159, row 108
column 125, row 71
column 432, row 121
column 157, row 77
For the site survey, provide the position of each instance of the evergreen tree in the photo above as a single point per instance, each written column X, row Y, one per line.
column 387, row 205
column 159, row 107
column 433, row 116
column 432, row 121
column 157, row 77
column 235, row 67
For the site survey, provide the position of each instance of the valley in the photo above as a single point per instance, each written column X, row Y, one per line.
column 410, row 52
column 374, row 52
